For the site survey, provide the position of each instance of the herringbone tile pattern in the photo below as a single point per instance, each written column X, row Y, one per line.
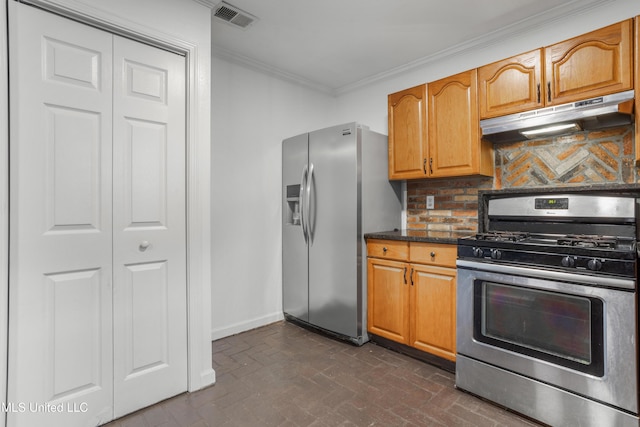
column 283, row 375
column 605, row 156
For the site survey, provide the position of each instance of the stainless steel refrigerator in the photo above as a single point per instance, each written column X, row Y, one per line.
column 335, row 189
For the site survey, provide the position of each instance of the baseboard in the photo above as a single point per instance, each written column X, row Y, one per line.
column 441, row 363
column 206, row 378
column 248, row 325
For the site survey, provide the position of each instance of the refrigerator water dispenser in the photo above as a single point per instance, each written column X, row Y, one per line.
column 293, row 203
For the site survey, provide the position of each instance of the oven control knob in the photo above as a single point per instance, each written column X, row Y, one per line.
column 594, row 264
column 568, row 262
column 496, row 254
column 478, row 252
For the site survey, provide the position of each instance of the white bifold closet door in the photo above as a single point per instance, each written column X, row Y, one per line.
column 97, row 311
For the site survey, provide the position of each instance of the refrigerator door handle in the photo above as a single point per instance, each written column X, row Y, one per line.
column 303, row 220
column 310, row 226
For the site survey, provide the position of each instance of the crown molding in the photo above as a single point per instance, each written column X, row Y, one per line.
column 209, row 3
column 518, row 28
column 234, row 57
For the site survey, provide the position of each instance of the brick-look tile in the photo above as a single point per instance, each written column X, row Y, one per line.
column 498, row 179
column 628, row 144
column 520, row 163
column 543, row 168
column 628, row 170
column 456, row 203
column 605, row 172
column 283, row 375
column 613, row 147
column 580, row 179
column 521, row 181
column 604, row 156
column 607, row 133
column 577, row 159
column 568, row 152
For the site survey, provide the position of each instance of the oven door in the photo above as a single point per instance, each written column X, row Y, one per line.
column 561, row 329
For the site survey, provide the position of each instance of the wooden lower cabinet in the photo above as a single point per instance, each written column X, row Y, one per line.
column 433, row 320
column 388, row 300
column 414, row 303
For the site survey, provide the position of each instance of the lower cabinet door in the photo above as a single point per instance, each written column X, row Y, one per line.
column 388, row 299
column 433, row 320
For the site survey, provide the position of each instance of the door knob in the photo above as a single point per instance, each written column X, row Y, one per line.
column 144, row 245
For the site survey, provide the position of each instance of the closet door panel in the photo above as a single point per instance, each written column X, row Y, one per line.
column 146, row 174
column 73, row 168
column 60, row 337
column 150, row 294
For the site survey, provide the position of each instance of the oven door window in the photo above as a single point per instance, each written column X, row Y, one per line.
column 563, row 329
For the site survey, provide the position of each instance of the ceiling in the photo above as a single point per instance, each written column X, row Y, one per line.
column 335, row 45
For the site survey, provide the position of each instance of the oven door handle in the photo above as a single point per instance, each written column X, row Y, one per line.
column 540, row 273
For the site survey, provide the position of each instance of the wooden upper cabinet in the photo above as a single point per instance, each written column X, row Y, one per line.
column 455, row 146
column 511, row 85
column 408, row 133
column 594, row 64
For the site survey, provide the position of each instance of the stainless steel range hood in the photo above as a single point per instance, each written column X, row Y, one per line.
column 590, row 114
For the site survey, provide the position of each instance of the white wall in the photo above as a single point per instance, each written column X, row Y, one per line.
column 252, row 113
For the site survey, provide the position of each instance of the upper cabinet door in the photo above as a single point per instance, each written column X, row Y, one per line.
column 408, row 133
column 594, row 64
column 511, row 85
column 454, row 129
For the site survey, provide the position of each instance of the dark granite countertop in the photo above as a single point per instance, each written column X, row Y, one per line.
column 426, row 236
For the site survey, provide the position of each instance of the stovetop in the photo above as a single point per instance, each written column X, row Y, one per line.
column 593, row 234
column 592, row 254
column 581, row 243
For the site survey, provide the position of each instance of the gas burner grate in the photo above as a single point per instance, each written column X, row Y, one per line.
column 588, row 241
column 502, row 236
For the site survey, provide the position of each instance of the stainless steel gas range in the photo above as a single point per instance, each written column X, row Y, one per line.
column 547, row 308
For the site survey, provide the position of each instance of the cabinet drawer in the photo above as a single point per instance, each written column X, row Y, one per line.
column 433, row 254
column 388, row 249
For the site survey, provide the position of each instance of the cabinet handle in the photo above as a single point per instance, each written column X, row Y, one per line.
column 424, row 165
column 405, row 275
column 411, row 276
column 538, row 93
column 549, row 91
column 430, row 165
column 433, row 254
column 384, row 249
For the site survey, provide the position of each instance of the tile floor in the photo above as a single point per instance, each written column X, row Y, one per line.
column 284, row 375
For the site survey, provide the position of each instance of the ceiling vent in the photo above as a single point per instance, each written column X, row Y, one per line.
column 233, row 15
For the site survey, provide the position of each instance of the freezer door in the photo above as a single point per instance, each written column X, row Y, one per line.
column 334, row 230
column 295, row 261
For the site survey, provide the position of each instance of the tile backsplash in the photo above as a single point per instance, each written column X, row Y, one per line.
column 605, row 156
column 597, row 157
